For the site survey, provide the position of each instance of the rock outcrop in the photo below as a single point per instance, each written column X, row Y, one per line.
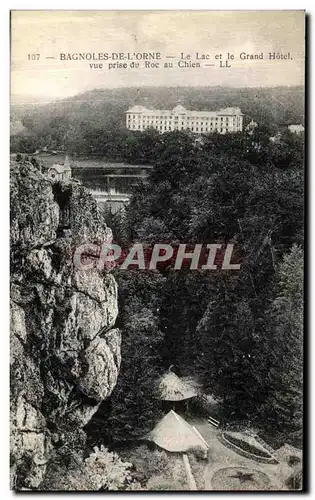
column 65, row 351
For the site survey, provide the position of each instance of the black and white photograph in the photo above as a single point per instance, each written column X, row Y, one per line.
column 157, row 206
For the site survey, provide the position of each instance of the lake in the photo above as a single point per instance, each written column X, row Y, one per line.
column 102, row 175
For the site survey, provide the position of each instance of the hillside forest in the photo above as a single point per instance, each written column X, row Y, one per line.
column 92, row 124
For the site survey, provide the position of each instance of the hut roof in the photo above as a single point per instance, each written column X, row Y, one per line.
column 192, row 383
column 136, row 109
column 174, row 434
column 172, row 388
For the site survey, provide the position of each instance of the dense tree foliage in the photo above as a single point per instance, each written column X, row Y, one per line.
column 283, row 409
column 228, row 328
column 134, row 406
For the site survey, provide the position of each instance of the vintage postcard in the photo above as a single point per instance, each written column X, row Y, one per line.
column 157, row 217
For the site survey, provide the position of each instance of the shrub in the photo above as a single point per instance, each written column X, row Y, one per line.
column 198, row 452
column 156, row 470
column 293, row 460
column 105, row 469
column 149, row 463
column 198, row 471
column 173, row 479
column 102, row 470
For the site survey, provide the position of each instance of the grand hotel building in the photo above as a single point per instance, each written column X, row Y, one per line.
column 200, row 122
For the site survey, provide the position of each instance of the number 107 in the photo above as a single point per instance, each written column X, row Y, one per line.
column 33, row 57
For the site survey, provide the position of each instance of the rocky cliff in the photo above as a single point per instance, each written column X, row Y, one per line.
column 65, row 351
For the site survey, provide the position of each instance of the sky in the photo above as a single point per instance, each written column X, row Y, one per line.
column 50, row 33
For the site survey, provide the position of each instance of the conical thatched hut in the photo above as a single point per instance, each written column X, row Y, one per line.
column 176, row 435
column 172, row 388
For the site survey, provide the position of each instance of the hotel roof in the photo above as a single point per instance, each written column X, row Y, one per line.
column 179, row 109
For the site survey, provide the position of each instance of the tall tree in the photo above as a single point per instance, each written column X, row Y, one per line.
column 283, row 408
column 134, row 406
column 231, row 360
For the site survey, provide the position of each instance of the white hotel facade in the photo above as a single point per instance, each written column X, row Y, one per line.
column 200, row 122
